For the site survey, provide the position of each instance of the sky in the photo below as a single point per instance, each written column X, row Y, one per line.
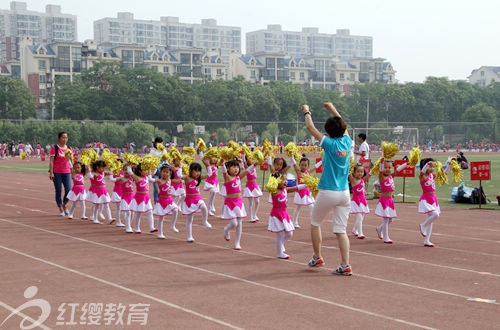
column 440, row 38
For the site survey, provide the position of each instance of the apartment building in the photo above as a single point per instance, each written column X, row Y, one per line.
column 485, row 75
column 47, row 27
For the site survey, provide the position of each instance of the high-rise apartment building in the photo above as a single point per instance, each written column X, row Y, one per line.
column 50, row 26
column 309, row 42
column 169, row 32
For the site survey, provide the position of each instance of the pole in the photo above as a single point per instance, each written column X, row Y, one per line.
column 404, row 184
column 480, row 193
column 367, row 113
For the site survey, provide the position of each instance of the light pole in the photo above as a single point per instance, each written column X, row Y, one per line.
column 367, row 113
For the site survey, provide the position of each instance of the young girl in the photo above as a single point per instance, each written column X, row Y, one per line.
column 277, row 165
column 279, row 220
column 359, row 207
column 141, row 203
column 428, row 203
column 77, row 193
column 303, row 196
column 193, row 203
column 127, row 196
column 116, row 196
column 211, row 183
column 98, row 193
column 385, row 207
column 252, row 191
column 178, row 190
column 233, row 209
column 165, row 204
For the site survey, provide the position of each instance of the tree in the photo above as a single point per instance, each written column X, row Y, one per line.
column 480, row 112
column 16, row 101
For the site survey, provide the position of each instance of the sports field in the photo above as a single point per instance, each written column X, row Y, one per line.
column 87, row 273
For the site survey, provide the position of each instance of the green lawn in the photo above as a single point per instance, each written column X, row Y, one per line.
column 412, row 187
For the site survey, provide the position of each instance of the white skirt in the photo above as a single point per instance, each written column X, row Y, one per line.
column 275, row 225
column 140, row 208
column 234, row 213
column 195, row 208
column 73, row 197
column 93, row 198
column 124, row 206
column 179, row 191
column 247, row 193
column 211, row 187
column 306, row 200
column 160, row 211
column 424, row 207
column 355, row 208
column 115, row 198
column 385, row 213
column 222, row 191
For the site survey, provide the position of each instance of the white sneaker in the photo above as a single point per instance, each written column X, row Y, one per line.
column 161, row 236
column 175, row 230
column 119, row 224
column 190, row 240
column 97, row 222
column 207, row 224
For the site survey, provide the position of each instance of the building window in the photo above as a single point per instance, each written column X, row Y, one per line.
column 155, row 68
column 42, row 79
column 165, row 69
column 219, row 72
column 342, row 77
column 292, row 75
column 41, row 65
column 252, row 74
column 41, row 51
column 482, row 73
column 352, row 77
column 43, row 92
column 302, row 76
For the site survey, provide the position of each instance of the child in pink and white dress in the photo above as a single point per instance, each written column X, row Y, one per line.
column 165, row 204
column 211, row 183
column 278, row 165
column 127, row 196
column 77, row 194
column 98, row 193
column 252, row 190
column 302, row 196
column 141, row 203
column 279, row 220
column 428, row 203
column 178, row 190
column 359, row 206
column 233, row 209
column 116, row 196
column 193, row 203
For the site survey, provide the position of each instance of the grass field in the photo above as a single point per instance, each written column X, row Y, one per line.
column 412, row 186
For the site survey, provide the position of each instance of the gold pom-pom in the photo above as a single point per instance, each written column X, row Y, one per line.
column 291, row 150
column 187, row 160
column 150, row 163
column 272, row 184
column 226, row 153
column 131, row 159
column 165, row 157
column 257, row 157
column 322, row 153
column 246, row 150
column 267, row 148
column 69, row 155
column 375, row 168
column 160, row 147
column 200, row 145
column 117, row 168
column 441, row 177
column 414, row 157
column 389, row 149
column 185, row 169
column 22, row 156
column 213, row 152
column 108, row 157
column 312, row 183
column 352, row 163
column 190, row 151
column 456, row 171
column 88, row 157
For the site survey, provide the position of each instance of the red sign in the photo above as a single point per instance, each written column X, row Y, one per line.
column 319, row 169
column 367, row 164
column 480, row 170
column 408, row 172
column 264, row 166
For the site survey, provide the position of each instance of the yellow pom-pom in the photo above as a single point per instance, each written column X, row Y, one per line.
column 22, row 156
column 131, row 159
column 213, row 152
column 200, row 145
column 246, row 150
column 150, row 163
column 69, row 155
column 272, row 184
column 165, row 157
column 175, row 154
column 226, row 153
column 292, row 151
column 108, row 157
column 389, row 149
column 414, row 157
column 322, row 153
column 312, row 183
column 190, row 151
column 187, row 160
column 185, row 169
column 351, row 165
column 160, row 147
column 88, row 156
column 456, row 171
column 375, row 168
column 258, row 157
column 117, row 168
column 441, row 177
column 267, row 148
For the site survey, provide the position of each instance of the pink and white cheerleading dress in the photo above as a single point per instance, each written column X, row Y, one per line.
column 178, row 187
column 127, row 195
column 77, row 192
column 165, row 204
column 233, row 206
column 303, row 196
column 279, row 220
column 193, row 201
column 211, row 182
column 428, row 201
column 385, row 206
column 116, row 196
column 98, row 194
column 141, row 202
column 358, row 200
column 252, row 189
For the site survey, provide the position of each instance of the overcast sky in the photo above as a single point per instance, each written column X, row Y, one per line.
column 444, row 38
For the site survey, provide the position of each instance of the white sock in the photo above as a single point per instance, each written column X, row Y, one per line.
column 211, row 201
column 427, row 239
column 431, row 217
column 160, row 226
column 128, row 216
column 256, row 206
column 250, row 208
column 239, row 231
column 118, row 220
column 151, row 221
column 180, row 200
column 358, row 225
column 82, row 205
column 107, row 210
column 175, row 214
column 280, row 246
column 231, row 224
column 137, row 222
column 385, row 229
column 204, row 214
column 189, row 227
column 72, row 209
column 296, row 215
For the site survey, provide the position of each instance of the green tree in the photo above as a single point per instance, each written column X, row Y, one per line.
column 480, row 112
column 16, row 101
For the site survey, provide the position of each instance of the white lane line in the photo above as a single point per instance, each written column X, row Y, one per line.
column 197, row 269
column 26, row 317
column 138, row 293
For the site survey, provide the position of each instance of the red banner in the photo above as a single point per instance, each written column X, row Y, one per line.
column 264, row 167
column 480, row 170
column 319, row 169
column 408, row 172
column 367, row 164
